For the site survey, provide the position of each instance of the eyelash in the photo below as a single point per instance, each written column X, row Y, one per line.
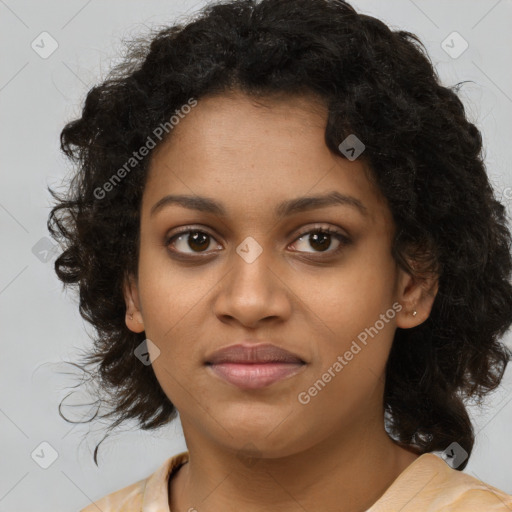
column 343, row 239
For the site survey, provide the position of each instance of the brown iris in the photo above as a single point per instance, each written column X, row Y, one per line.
column 201, row 240
column 323, row 240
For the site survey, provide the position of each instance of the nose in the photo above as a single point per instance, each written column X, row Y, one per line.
column 253, row 291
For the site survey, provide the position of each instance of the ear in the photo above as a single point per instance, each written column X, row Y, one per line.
column 133, row 319
column 415, row 294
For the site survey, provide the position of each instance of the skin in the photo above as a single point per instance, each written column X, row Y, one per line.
column 261, row 450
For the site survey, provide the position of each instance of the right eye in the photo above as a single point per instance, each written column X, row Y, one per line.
column 196, row 240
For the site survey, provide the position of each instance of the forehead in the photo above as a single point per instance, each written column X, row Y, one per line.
column 253, row 153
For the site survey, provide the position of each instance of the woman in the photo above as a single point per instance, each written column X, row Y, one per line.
column 282, row 228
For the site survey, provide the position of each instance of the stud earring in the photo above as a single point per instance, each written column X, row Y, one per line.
column 130, row 316
column 414, row 313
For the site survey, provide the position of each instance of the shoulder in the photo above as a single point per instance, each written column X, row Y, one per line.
column 127, row 499
column 460, row 491
column 148, row 493
column 429, row 484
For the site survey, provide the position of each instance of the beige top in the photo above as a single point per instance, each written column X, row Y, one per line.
column 429, row 484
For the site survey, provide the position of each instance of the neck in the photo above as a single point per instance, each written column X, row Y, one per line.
column 339, row 474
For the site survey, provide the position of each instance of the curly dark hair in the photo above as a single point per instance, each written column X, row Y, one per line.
column 424, row 154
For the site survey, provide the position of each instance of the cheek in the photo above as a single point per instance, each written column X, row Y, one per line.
column 169, row 302
column 349, row 374
column 354, row 319
column 351, row 297
column 168, row 295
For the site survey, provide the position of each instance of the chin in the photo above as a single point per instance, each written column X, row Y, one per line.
column 267, row 438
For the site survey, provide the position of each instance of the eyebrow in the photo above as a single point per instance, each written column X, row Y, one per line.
column 284, row 209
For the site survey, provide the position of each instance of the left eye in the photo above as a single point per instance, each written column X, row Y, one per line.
column 321, row 239
column 199, row 241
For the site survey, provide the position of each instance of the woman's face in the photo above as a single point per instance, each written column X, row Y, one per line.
column 249, row 271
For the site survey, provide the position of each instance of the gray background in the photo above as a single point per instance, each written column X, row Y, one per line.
column 40, row 325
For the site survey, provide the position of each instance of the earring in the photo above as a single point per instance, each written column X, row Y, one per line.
column 414, row 313
column 130, row 316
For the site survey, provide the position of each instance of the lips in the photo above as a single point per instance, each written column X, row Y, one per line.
column 250, row 366
column 245, row 353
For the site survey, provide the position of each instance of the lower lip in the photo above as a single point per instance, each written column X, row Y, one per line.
column 255, row 375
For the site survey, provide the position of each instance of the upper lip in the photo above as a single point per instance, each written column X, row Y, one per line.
column 251, row 353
